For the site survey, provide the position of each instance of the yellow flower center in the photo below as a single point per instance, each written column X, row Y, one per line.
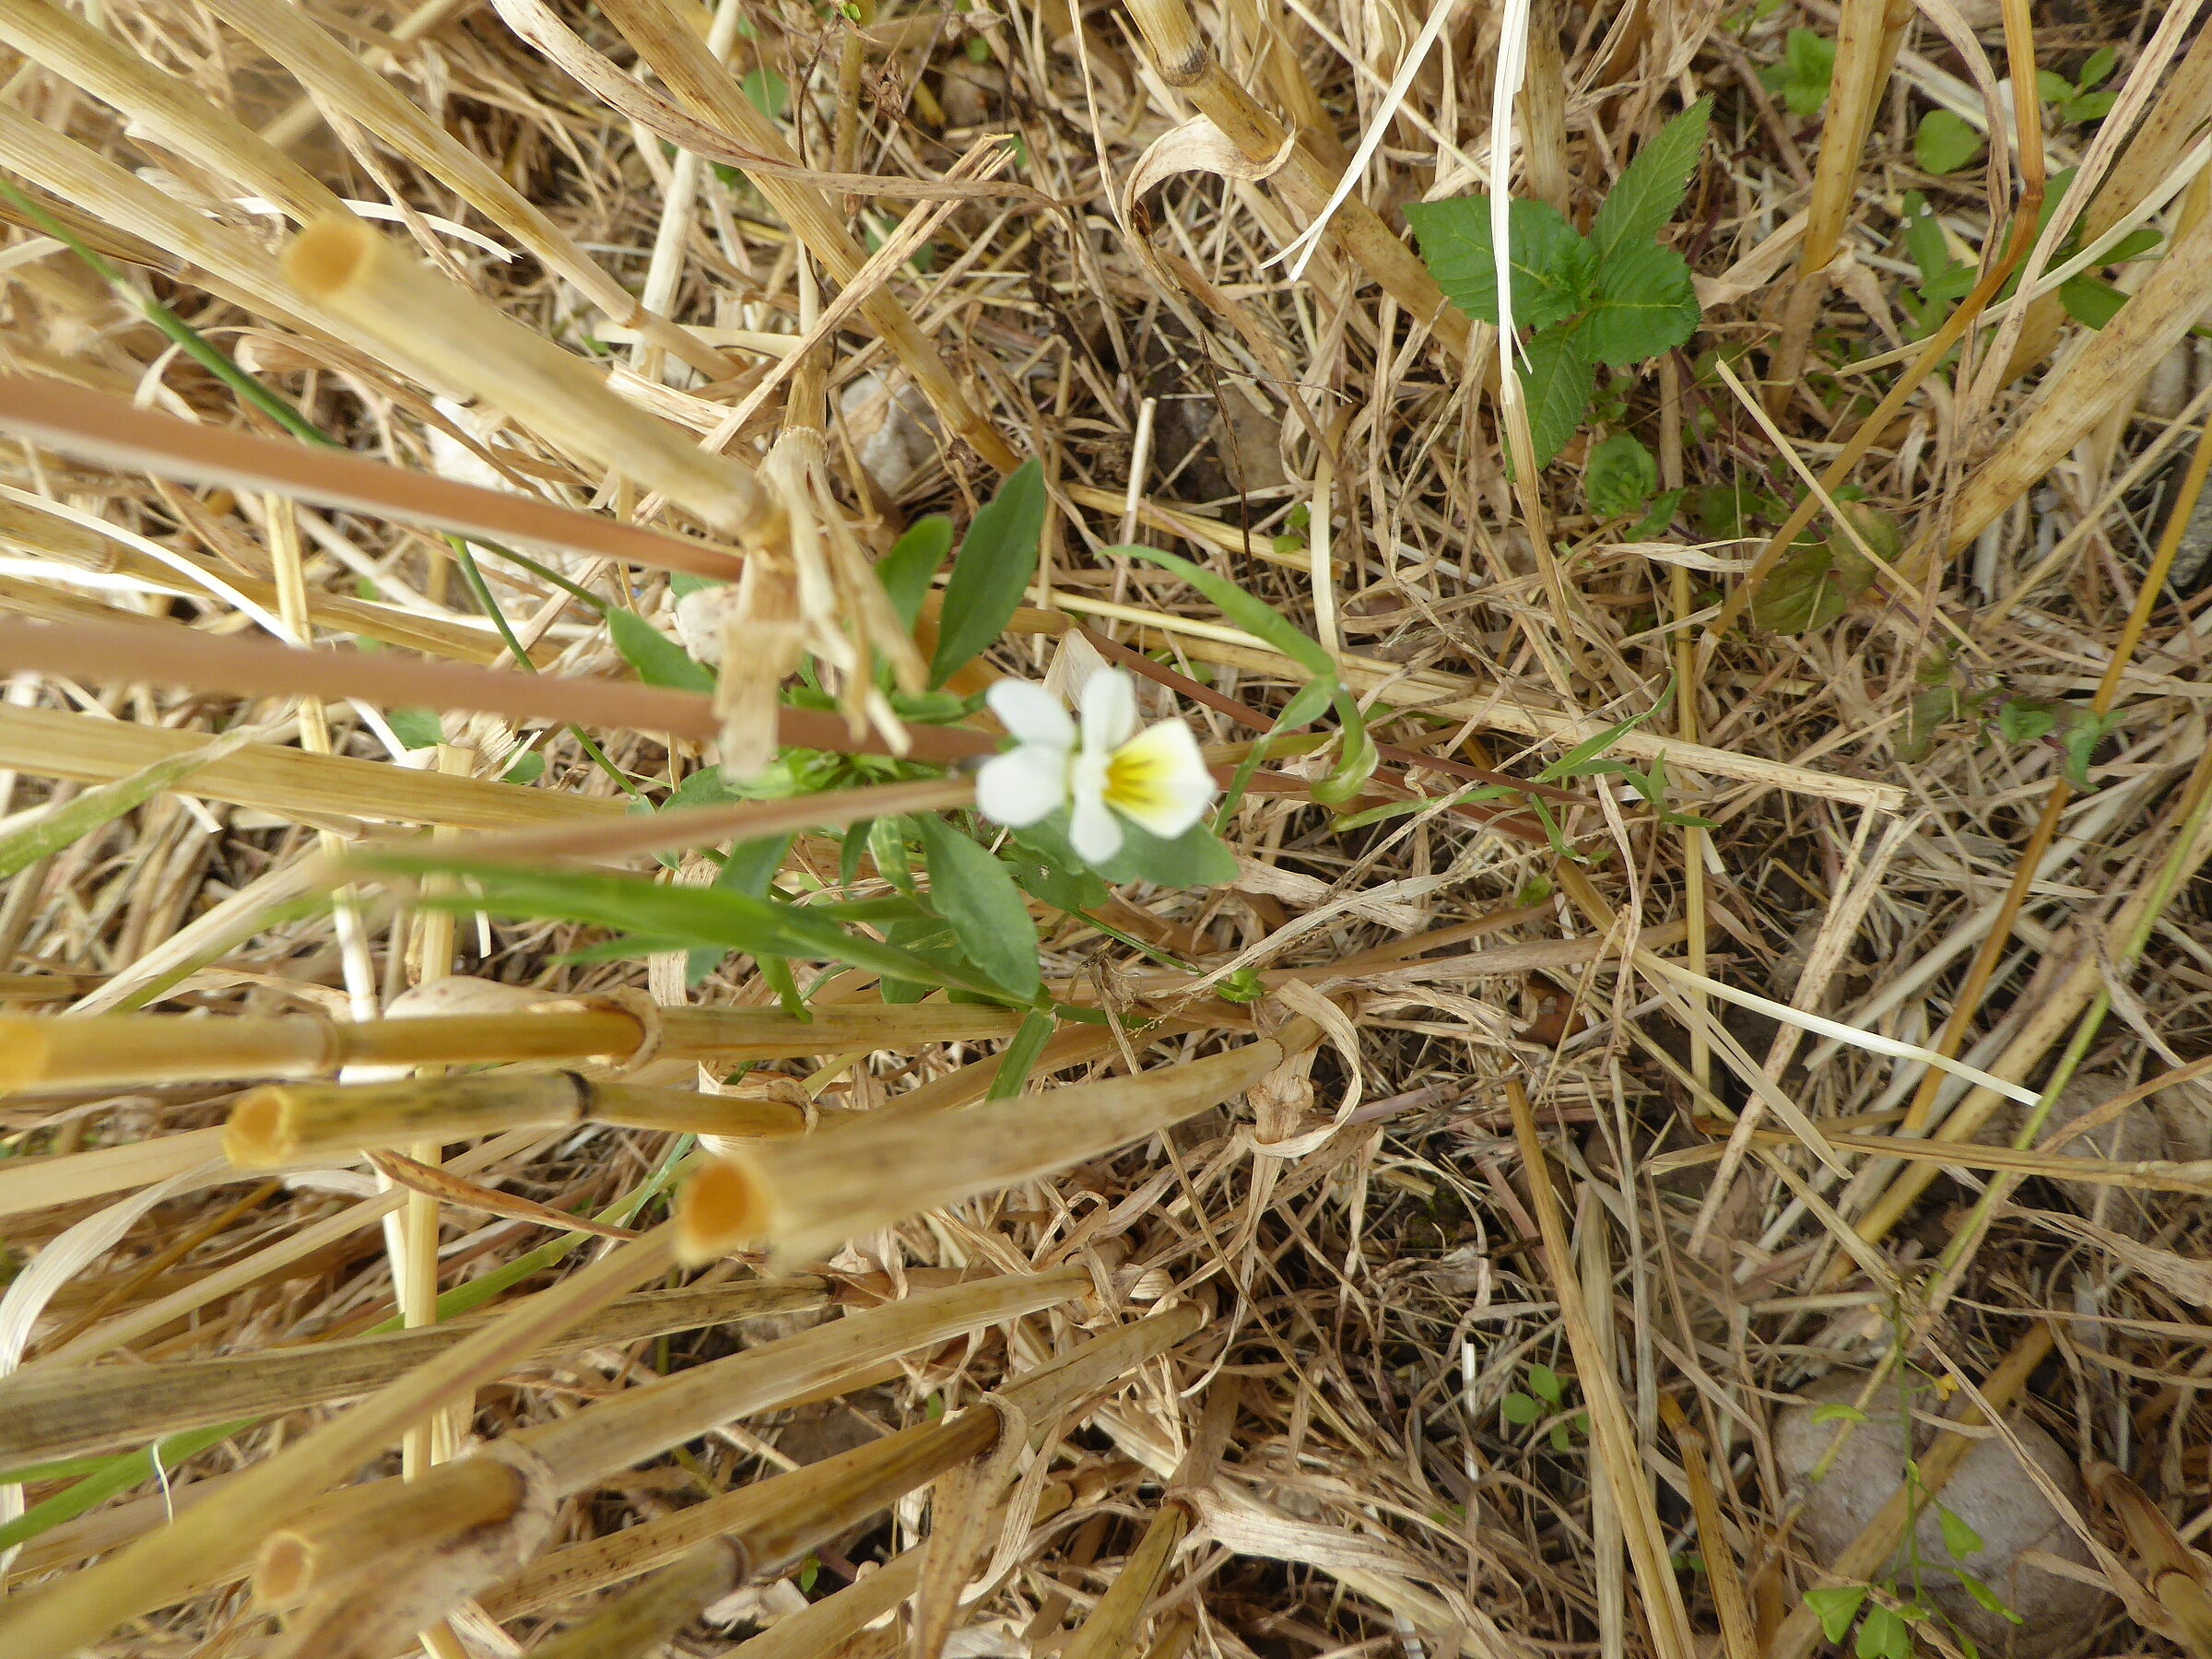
column 1136, row 780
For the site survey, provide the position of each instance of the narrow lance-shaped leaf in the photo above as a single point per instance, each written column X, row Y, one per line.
column 996, row 565
column 659, row 661
column 974, row 892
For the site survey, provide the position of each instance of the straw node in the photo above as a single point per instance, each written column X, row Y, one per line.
column 651, row 1028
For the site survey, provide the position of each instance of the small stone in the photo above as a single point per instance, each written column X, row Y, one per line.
column 1990, row 1491
column 893, row 430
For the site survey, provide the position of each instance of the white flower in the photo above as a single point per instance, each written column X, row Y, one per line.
column 1156, row 778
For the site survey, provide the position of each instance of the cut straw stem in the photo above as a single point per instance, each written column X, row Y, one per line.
column 477, row 1492
column 167, row 1048
column 289, row 783
column 283, row 1123
column 456, row 337
column 46, row 1416
column 811, row 1196
column 99, row 427
column 640, row 1423
column 228, row 1526
column 163, row 653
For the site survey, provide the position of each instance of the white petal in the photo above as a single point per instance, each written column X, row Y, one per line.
column 1023, row 786
column 1109, row 711
column 1093, row 831
column 1158, row 779
column 1031, row 713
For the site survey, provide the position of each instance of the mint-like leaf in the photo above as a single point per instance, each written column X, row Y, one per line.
column 1557, row 383
column 1807, row 66
column 1619, row 477
column 1552, row 264
column 1646, row 304
column 1651, row 186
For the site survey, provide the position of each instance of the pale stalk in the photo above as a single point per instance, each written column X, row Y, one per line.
column 812, row 1194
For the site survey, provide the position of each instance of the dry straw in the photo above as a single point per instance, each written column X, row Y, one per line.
column 281, row 1125
column 164, row 1048
column 814, row 1195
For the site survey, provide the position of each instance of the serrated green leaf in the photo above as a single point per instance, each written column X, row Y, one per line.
column 998, row 560
column 1519, row 1410
column 974, row 892
column 1646, row 304
column 1552, row 263
column 2025, row 720
column 1945, row 142
column 418, row 728
column 1619, row 477
column 1809, row 588
column 1557, row 383
column 1883, row 1635
column 1809, row 66
column 906, row 571
column 1959, row 1540
column 1651, row 186
column 657, row 659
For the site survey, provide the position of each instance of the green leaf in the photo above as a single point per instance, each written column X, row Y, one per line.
column 418, row 728
column 2025, row 720
column 1561, row 1441
column 528, row 768
column 1651, row 186
column 658, row 660
column 1051, row 873
column 1811, row 588
column 1959, row 1540
column 1544, row 1383
column 2101, row 63
column 682, row 582
column 974, row 892
column 1552, row 264
column 1987, row 1597
column 2081, row 731
column 1020, row 1055
column 1377, row 814
column 1194, row 858
column 2052, row 88
column 1646, row 304
column 1519, row 1410
column 1558, row 381
column 1662, row 515
column 2134, row 245
column 1835, row 1607
column 1835, row 1411
column 1883, row 1635
column 1945, row 142
column 1619, row 477
column 905, row 571
column 1808, row 65
column 996, row 563
column 1582, row 760
column 769, row 93
column 2090, row 302
column 1357, row 755
column 2092, row 106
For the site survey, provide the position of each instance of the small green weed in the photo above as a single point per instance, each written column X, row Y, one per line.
column 1546, row 1395
column 2077, row 100
column 1614, row 297
column 1804, row 75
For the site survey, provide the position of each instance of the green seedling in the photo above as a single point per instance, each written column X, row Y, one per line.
column 2077, row 100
